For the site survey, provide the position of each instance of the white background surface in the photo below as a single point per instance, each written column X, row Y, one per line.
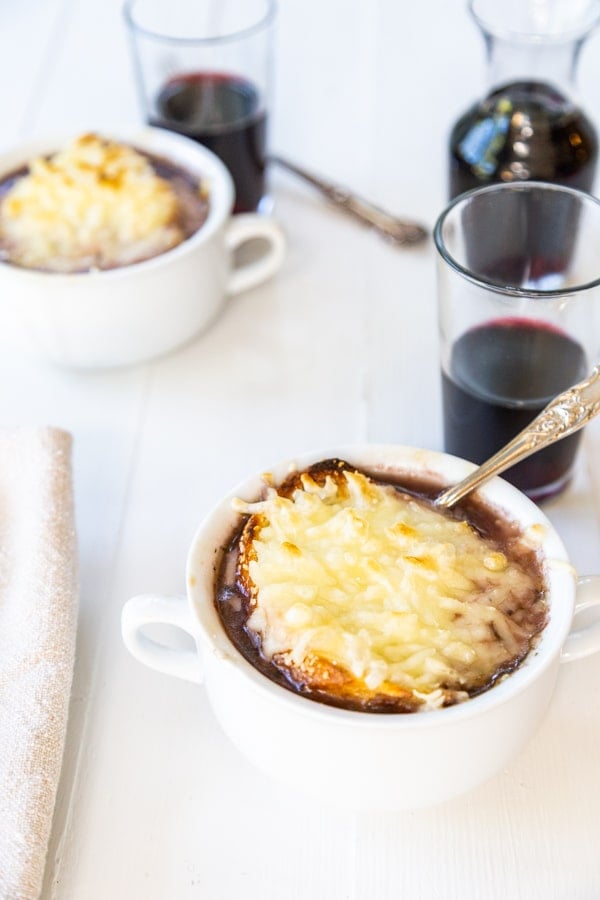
column 341, row 347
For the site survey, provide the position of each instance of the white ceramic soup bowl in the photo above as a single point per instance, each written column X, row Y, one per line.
column 358, row 759
column 132, row 313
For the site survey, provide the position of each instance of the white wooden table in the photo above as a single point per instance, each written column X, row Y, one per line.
column 341, row 347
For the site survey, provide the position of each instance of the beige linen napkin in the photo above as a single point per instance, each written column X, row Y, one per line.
column 38, row 610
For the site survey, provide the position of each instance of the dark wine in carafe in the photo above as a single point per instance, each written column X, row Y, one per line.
column 523, row 131
column 527, row 124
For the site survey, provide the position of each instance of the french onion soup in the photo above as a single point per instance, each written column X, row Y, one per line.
column 359, row 592
column 97, row 204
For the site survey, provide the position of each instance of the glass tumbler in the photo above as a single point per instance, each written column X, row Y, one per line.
column 204, row 69
column 518, row 291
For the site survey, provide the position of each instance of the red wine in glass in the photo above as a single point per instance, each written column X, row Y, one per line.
column 500, row 376
column 225, row 113
column 523, row 131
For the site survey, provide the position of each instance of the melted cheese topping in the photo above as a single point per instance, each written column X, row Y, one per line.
column 354, row 577
column 94, row 203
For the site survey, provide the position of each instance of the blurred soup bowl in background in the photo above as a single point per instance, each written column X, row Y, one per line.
column 134, row 312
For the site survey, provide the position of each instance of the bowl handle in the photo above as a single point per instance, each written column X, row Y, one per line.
column 153, row 609
column 247, row 227
column 585, row 640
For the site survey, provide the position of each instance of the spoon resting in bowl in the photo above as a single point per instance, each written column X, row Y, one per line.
column 564, row 415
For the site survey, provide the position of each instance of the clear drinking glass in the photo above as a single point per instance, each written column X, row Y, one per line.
column 204, row 69
column 518, row 294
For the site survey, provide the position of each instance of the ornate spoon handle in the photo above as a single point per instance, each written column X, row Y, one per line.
column 398, row 231
column 564, row 415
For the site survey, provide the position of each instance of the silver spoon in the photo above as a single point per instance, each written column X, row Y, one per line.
column 564, row 415
column 397, row 231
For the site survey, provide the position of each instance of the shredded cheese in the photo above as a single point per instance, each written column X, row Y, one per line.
column 350, row 575
column 95, row 203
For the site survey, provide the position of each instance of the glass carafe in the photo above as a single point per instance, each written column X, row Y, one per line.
column 529, row 126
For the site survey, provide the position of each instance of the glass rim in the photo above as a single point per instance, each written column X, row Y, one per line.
column 229, row 37
column 488, row 283
column 581, row 27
